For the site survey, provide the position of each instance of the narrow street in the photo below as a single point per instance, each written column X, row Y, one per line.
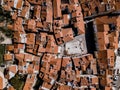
column 116, row 83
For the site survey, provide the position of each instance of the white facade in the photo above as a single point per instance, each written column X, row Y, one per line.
column 1, row 2
column 23, row 38
column 15, row 3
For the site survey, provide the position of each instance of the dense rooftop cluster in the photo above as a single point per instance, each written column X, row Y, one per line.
column 92, row 7
column 49, row 44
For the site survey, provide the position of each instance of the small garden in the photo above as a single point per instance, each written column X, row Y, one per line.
column 18, row 81
column 2, row 52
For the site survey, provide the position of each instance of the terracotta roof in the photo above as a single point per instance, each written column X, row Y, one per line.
column 102, row 40
column 36, row 58
column 14, row 16
column 51, row 47
column 11, row 88
column 39, row 24
column 106, row 54
column 84, row 81
column 76, row 61
column 16, row 50
column 58, row 64
column 84, row 63
column 89, row 57
column 13, row 69
column 59, row 34
column 35, row 2
column 74, row 1
column 63, row 75
column 46, row 85
column 19, row 57
column 57, row 25
column 64, row 87
column 59, row 37
column 66, row 19
column 93, row 66
column 30, row 69
column 28, row 57
column 27, row 86
column 42, row 27
column 47, row 57
column 67, row 34
column 105, row 20
column 108, row 88
column 49, row 16
column 29, row 82
column 32, row 25
column 36, row 67
column 76, row 13
column 10, row 47
column 95, row 80
column 16, row 37
column 37, row 11
column 19, row 46
column 46, row 78
column 80, row 26
column 26, row 3
column 93, row 88
column 18, row 25
column 41, row 49
column 24, row 11
column 65, row 61
column 8, row 57
column 19, row 4
column 30, row 38
column 1, row 83
column 7, row 7
column 57, row 9
column 103, row 28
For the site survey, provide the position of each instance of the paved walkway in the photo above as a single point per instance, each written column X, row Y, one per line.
column 117, row 67
column 7, row 40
